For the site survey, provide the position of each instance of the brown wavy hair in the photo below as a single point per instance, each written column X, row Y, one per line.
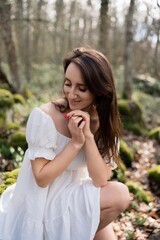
column 97, row 74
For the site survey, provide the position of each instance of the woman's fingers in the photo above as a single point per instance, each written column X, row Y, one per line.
column 82, row 124
column 76, row 113
column 77, row 120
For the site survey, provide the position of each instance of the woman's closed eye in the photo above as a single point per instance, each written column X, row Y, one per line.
column 67, row 84
column 82, row 89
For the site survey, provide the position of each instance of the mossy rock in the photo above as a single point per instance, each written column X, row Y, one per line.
column 155, row 133
column 6, row 99
column 139, row 192
column 135, row 128
column 131, row 115
column 12, row 126
column 123, row 107
column 120, row 173
column 27, row 93
column 18, row 139
column 154, row 174
column 18, row 98
column 8, row 179
column 2, row 118
column 11, row 175
column 126, row 154
column 2, row 188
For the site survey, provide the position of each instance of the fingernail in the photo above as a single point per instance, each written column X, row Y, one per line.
column 65, row 115
column 84, row 119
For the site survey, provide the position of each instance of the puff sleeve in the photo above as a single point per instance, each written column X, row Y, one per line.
column 41, row 135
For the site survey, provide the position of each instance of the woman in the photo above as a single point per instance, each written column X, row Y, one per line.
column 62, row 191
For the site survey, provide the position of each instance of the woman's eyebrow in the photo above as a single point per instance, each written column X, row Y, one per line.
column 67, row 78
column 81, row 84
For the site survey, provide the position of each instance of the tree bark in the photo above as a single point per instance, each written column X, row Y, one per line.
column 37, row 33
column 104, row 26
column 19, row 29
column 156, row 57
column 27, row 46
column 5, row 13
column 127, row 88
column 58, row 29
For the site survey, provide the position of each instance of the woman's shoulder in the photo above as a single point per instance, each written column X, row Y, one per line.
column 52, row 108
column 49, row 108
column 54, row 113
column 57, row 116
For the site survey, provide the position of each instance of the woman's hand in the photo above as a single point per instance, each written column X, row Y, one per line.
column 80, row 119
column 76, row 125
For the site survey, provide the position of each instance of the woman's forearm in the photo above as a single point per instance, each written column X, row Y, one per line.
column 45, row 171
column 99, row 171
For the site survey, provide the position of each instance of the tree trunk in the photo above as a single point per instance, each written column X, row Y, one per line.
column 19, row 29
column 27, row 45
column 156, row 55
column 5, row 13
column 59, row 28
column 127, row 88
column 104, row 26
column 37, row 33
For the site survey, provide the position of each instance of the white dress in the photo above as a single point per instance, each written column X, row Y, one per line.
column 67, row 209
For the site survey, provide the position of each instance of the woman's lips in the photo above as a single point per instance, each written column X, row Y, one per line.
column 73, row 102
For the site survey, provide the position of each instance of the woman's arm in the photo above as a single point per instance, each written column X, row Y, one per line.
column 45, row 171
column 98, row 170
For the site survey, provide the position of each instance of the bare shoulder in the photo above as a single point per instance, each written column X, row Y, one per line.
column 49, row 108
column 57, row 116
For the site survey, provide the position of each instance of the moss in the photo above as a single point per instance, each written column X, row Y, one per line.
column 27, row 93
column 8, row 179
column 126, row 154
column 135, row 128
column 6, row 99
column 155, row 133
column 141, row 194
column 18, row 139
column 12, row 126
column 13, row 174
column 122, row 167
column 2, row 188
column 18, row 98
column 120, row 173
column 121, row 176
column 2, row 118
column 154, row 173
column 124, row 107
column 131, row 115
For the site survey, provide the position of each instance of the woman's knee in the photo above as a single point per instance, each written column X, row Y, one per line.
column 124, row 198
column 115, row 195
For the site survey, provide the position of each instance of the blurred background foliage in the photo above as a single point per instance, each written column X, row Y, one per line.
column 36, row 36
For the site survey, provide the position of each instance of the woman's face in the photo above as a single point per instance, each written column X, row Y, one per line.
column 78, row 95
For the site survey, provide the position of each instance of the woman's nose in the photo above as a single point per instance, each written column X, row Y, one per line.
column 72, row 94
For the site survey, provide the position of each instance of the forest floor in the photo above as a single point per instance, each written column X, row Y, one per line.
column 141, row 221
